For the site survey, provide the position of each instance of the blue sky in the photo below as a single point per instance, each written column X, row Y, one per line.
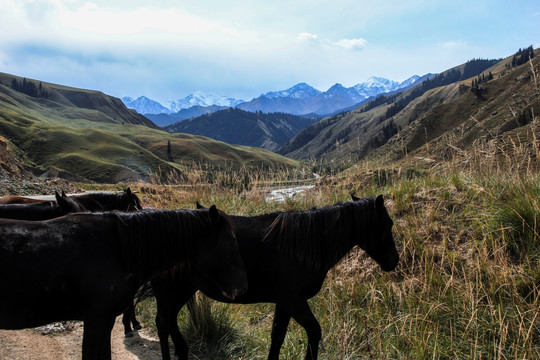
column 167, row 49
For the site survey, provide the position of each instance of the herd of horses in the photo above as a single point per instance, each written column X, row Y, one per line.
column 84, row 257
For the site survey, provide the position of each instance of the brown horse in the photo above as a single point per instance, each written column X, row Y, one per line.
column 124, row 201
column 98, row 201
column 12, row 199
column 42, row 210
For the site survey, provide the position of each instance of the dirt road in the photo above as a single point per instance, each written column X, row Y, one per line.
column 64, row 343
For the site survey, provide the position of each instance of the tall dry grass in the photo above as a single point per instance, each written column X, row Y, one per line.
column 467, row 287
column 468, row 282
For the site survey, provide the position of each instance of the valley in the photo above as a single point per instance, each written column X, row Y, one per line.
column 456, row 159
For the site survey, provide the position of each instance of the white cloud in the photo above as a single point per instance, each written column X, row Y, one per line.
column 75, row 25
column 174, row 47
column 310, row 38
column 347, row 44
column 352, row 44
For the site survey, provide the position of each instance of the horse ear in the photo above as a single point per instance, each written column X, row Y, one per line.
column 128, row 191
column 213, row 213
column 198, row 205
column 64, row 194
column 61, row 201
column 379, row 202
column 354, row 198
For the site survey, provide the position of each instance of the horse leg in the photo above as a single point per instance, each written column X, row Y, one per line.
column 180, row 345
column 163, row 335
column 136, row 324
column 97, row 338
column 302, row 315
column 128, row 318
column 279, row 329
column 169, row 302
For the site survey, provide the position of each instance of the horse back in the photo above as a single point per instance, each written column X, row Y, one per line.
column 19, row 200
column 33, row 211
column 271, row 274
column 50, row 270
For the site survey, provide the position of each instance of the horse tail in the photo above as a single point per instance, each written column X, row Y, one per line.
column 145, row 292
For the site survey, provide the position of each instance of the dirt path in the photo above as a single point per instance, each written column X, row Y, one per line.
column 64, row 343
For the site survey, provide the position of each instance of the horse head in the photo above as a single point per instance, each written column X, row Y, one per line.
column 129, row 201
column 67, row 205
column 227, row 274
column 380, row 246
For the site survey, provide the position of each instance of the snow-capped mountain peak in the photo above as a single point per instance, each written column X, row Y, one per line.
column 144, row 105
column 299, row 91
column 200, row 98
column 410, row 81
column 299, row 99
column 375, row 86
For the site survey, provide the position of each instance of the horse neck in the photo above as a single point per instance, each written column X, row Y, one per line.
column 320, row 238
column 109, row 201
column 152, row 242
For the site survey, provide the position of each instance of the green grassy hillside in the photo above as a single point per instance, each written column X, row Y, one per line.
column 89, row 136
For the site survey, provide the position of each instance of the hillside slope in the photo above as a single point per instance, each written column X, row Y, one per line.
column 16, row 178
column 390, row 128
column 52, row 102
column 235, row 126
column 86, row 135
column 183, row 114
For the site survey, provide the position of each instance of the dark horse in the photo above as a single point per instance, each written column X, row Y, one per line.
column 287, row 256
column 124, row 201
column 41, row 210
column 98, row 201
column 23, row 208
column 88, row 266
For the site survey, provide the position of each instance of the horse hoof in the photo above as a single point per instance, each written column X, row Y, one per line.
column 129, row 334
column 137, row 327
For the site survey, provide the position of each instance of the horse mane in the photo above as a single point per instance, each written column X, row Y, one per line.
column 320, row 237
column 105, row 200
column 159, row 239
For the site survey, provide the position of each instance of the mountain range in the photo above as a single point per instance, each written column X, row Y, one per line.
column 144, row 105
column 485, row 107
column 300, row 99
column 239, row 127
column 482, row 104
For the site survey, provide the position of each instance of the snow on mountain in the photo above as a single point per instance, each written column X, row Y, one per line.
column 338, row 90
column 410, row 81
column 299, row 99
column 375, row 86
column 200, row 98
column 144, row 105
column 299, row 91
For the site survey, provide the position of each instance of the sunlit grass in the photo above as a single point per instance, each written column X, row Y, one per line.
column 467, row 285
